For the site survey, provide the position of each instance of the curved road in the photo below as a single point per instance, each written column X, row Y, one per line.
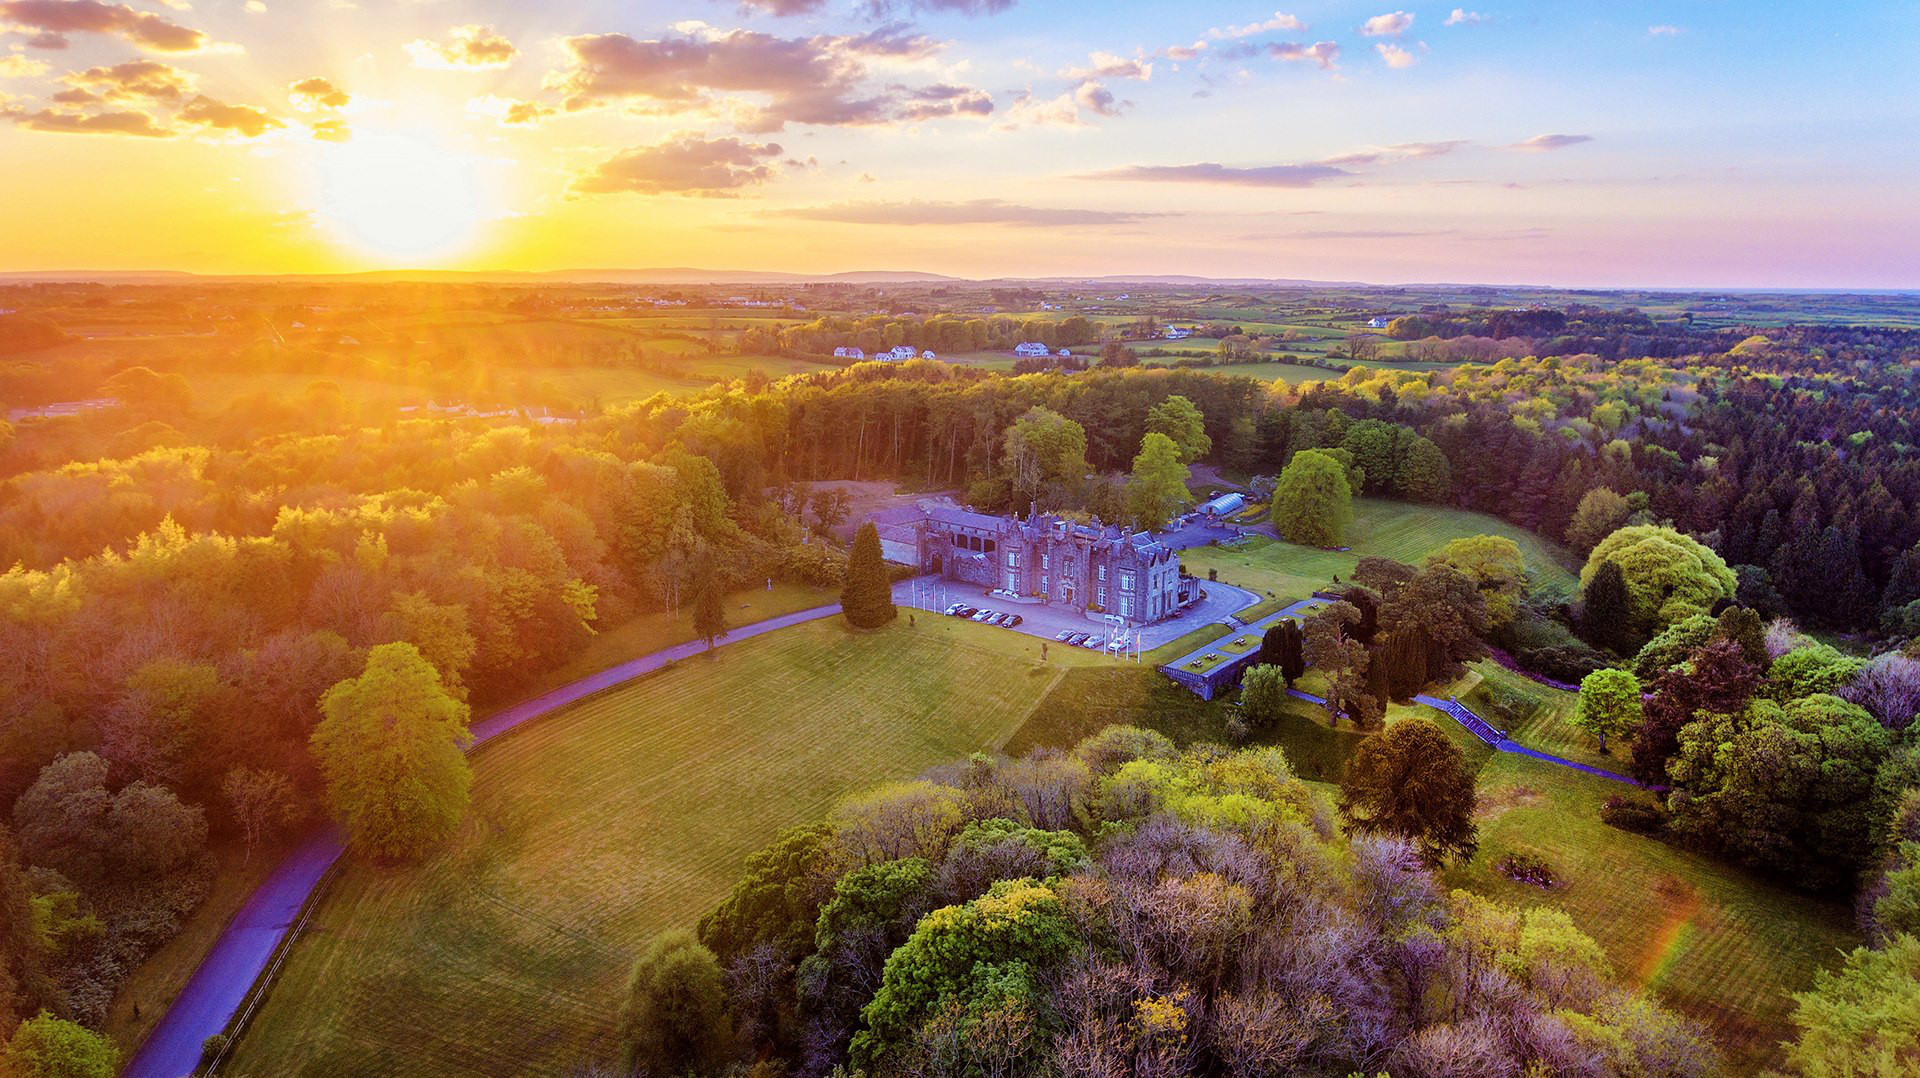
column 220, row 986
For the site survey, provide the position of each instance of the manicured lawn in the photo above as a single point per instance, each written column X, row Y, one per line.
column 1537, row 716
column 1399, row 530
column 1718, row 943
column 626, row 814
column 1179, row 646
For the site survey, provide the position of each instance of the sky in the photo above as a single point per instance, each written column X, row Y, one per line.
column 1677, row 144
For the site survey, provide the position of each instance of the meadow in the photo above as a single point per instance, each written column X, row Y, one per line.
column 1382, row 528
column 626, row 814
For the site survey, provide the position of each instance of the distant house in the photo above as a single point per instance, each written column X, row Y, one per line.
column 1066, row 353
column 928, row 354
column 849, row 353
column 1031, row 348
column 1178, row 333
column 1379, row 321
column 896, row 353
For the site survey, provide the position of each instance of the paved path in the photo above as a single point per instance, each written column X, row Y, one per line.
column 1242, row 629
column 1494, row 739
column 218, row 989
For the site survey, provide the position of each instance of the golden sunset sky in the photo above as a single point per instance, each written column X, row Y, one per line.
column 1675, row 144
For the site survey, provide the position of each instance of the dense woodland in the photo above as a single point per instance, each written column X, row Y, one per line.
column 196, row 593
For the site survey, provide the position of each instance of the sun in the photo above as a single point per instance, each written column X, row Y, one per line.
column 401, row 196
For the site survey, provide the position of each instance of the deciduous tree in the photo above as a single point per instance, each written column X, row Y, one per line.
column 389, row 745
column 1413, row 781
column 1313, row 503
column 1609, row 705
column 1157, row 488
column 1179, row 419
column 674, row 1020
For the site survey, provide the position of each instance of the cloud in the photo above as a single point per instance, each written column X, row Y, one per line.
column 1392, row 24
column 813, row 80
column 242, row 120
column 983, row 211
column 122, row 122
column 134, row 80
column 1324, row 53
column 783, row 7
column 885, row 9
column 1462, row 17
column 15, row 66
column 55, row 19
column 1664, row 30
column 1280, row 21
column 313, row 94
column 1542, row 143
column 1106, row 65
column 1395, row 56
column 331, row 129
column 473, row 47
column 254, row 7
column 1098, row 100
column 508, row 111
column 1304, row 175
column 688, row 165
column 1402, row 151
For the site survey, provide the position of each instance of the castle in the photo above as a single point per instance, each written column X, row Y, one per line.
column 1095, row 568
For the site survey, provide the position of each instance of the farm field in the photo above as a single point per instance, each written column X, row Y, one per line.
column 621, row 816
column 1714, row 941
column 1399, row 530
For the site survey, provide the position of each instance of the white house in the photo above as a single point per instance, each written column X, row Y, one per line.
column 896, row 353
column 928, row 354
column 1066, row 353
column 1031, row 348
column 1378, row 321
column 849, row 353
column 1178, row 333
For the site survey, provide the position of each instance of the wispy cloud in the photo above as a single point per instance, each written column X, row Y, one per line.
column 1281, row 21
column 52, row 20
column 984, row 211
column 1208, row 172
column 1462, row 17
column 1392, row 24
column 1106, row 65
column 688, row 165
column 1542, row 143
column 1665, row 30
column 1324, row 53
column 312, row 94
column 119, row 122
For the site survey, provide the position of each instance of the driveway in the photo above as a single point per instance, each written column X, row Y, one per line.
column 1037, row 619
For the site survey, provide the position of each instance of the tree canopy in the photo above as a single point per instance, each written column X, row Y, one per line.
column 1313, row 504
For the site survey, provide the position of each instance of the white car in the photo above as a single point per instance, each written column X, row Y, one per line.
column 1095, row 643
column 1117, row 645
column 983, row 615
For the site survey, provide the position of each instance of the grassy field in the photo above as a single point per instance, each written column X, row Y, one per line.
column 1707, row 938
column 624, row 815
column 1537, row 716
column 1399, row 530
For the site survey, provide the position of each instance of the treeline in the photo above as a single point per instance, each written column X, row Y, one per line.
column 1575, row 330
column 940, row 333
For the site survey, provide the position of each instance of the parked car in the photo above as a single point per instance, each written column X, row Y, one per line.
column 983, row 615
column 1012, row 620
column 1078, row 639
column 1095, row 644
column 1062, row 635
column 1117, row 644
column 955, row 609
column 966, row 611
column 998, row 619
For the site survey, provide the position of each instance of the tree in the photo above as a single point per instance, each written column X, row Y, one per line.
column 1115, row 354
column 867, row 597
column 1263, row 696
column 1609, row 705
column 674, row 1020
column 1606, row 614
column 49, row 1047
column 1178, row 419
column 1888, row 686
column 1424, row 475
column 1044, row 450
column 830, row 508
column 389, row 745
column 1158, row 487
column 23, row 948
column 1413, row 781
column 1668, row 575
column 1600, row 513
column 261, row 801
column 710, row 606
column 1313, row 504
column 1496, row 567
column 1862, row 1020
column 69, row 822
column 1280, row 646
column 1328, row 643
column 1715, row 679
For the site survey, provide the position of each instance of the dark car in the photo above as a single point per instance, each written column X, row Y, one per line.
column 1012, row 620
column 1077, row 639
column 966, row 612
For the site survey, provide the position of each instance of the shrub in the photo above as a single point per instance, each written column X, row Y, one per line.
column 1638, row 815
